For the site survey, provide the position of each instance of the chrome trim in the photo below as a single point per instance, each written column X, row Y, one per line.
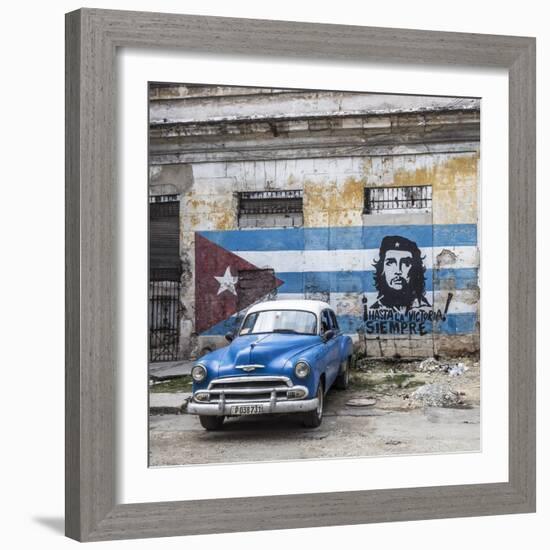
column 300, row 389
column 236, row 379
column 250, row 368
column 245, row 391
column 208, row 409
column 270, row 391
column 237, row 395
column 272, row 401
column 199, row 393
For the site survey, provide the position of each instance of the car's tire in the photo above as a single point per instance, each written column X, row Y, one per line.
column 313, row 419
column 342, row 381
column 211, row 423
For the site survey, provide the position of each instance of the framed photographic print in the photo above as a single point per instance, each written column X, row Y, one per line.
column 294, row 268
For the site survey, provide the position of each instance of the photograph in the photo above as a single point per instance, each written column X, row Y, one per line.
column 314, row 271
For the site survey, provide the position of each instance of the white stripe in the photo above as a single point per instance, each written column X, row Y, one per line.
column 462, row 301
column 284, row 261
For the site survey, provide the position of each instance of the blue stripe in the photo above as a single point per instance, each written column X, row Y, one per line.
column 422, row 235
column 363, row 281
column 257, row 239
column 228, row 325
column 455, row 323
column 449, row 279
column 458, row 234
column 341, row 238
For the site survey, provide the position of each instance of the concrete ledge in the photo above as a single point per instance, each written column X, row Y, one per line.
column 168, row 403
column 169, row 370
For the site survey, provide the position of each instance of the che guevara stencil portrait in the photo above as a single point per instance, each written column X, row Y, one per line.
column 313, row 274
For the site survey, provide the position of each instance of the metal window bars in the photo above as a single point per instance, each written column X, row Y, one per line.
column 386, row 199
column 164, row 320
column 271, row 202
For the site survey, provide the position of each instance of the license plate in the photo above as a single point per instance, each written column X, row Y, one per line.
column 246, row 409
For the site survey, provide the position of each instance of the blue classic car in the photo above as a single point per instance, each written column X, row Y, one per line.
column 284, row 358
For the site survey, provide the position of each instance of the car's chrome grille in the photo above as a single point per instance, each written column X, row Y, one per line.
column 250, row 388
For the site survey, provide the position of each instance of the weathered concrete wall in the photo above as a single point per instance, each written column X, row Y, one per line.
column 332, row 256
column 333, row 198
column 298, row 104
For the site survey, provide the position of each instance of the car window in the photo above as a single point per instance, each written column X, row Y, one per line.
column 325, row 322
column 334, row 320
column 249, row 323
column 285, row 321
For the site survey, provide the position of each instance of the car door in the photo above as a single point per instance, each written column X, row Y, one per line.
column 331, row 347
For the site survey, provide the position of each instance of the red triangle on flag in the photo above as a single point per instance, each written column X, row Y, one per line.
column 225, row 283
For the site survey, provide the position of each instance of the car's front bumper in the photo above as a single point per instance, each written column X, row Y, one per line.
column 249, row 395
column 222, row 408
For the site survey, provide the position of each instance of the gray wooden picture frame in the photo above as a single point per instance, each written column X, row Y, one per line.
column 92, row 39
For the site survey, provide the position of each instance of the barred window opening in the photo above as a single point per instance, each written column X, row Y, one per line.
column 282, row 208
column 164, row 242
column 398, row 199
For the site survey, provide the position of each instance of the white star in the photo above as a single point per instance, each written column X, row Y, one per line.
column 227, row 282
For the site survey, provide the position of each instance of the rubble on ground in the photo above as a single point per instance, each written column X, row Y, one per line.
column 432, row 365
column 409, row 384
column 429, row 365
column 437, row 395
column 457, row 370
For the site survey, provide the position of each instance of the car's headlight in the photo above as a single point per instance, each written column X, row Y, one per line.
column 198, row 373
column 301, row 369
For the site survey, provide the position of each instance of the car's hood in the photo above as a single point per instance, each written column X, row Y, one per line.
column 271, row 351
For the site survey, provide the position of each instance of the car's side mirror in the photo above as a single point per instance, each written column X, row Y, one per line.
column 230, row 337
column 328, row 335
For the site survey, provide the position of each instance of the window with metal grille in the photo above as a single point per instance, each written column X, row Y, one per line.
column 282, row 208
column 391, row 200
column 164, row 254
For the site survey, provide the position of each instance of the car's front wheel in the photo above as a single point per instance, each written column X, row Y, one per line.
column 313, row 419
column 211, row 423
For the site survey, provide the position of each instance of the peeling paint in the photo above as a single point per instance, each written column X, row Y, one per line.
column 333, row 203
column 446, row 257
column 453, row 178
column 446, row 173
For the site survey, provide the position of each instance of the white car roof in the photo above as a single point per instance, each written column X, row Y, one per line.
column 314, row 306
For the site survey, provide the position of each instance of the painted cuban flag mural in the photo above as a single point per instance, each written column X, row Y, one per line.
column 409, row 280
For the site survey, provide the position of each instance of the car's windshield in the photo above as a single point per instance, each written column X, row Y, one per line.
column 283, row 321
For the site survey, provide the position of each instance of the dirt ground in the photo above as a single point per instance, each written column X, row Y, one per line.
column 383, row 412
column 393, row 384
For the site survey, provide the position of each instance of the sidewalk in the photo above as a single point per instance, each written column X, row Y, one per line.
column 169, row 369
column 168, row 403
